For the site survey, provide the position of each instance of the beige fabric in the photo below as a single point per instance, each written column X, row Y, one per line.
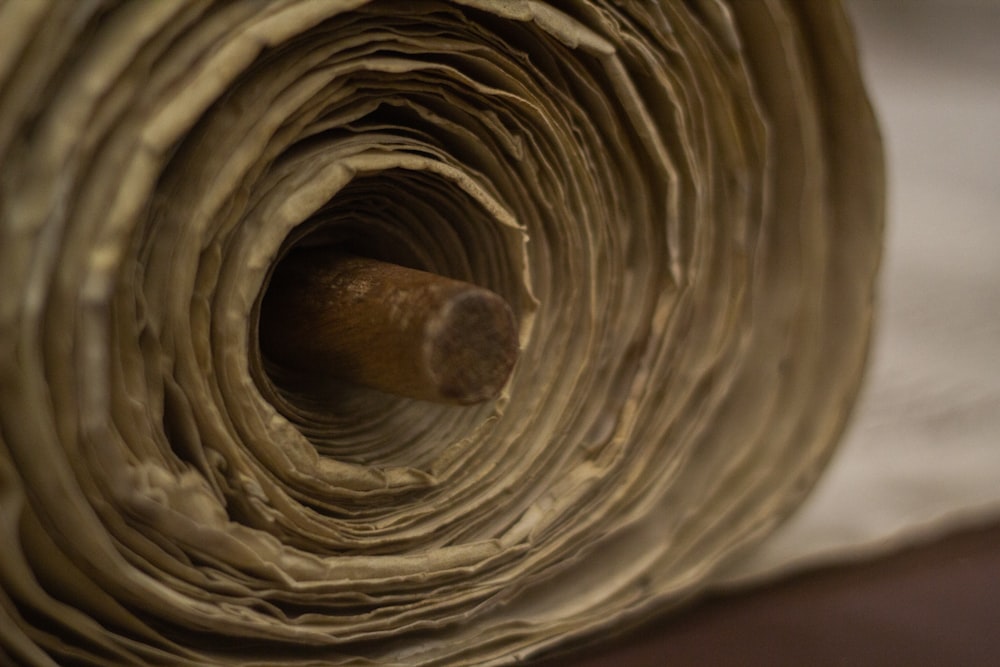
column 922, row 455
column 682, row 202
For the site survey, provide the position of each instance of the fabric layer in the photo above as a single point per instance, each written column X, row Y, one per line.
column 681, row 202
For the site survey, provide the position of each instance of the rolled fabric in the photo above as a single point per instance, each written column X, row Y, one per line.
column 680, row 201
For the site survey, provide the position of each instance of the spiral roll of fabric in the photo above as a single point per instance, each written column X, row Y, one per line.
column 680, row 201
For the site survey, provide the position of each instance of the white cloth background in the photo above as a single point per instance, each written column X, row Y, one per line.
column 922, row 455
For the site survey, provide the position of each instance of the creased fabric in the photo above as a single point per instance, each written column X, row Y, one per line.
column 681, row 202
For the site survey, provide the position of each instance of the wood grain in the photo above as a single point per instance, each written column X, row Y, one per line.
column 388, row 327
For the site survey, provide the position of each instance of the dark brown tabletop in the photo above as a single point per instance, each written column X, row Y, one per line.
column 935, row 604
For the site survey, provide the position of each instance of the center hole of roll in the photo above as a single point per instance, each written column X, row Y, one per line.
column 387, row 327
column 356, row 303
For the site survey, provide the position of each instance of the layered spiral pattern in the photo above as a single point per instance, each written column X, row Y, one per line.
column 681, row 201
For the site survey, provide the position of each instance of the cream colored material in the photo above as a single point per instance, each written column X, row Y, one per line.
column 922, row 455
column 681, row 202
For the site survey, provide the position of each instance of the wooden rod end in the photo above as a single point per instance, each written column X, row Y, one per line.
column 471, row 346
column 388, row 327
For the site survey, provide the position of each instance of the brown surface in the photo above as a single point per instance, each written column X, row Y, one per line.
column 938, row 604
column 387, row 327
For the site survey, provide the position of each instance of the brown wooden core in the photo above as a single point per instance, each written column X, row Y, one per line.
column 388, row 327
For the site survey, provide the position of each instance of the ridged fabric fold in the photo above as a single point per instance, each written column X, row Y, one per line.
column 681, row 201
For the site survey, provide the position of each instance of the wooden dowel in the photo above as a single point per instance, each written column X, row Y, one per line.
column 387, row 327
